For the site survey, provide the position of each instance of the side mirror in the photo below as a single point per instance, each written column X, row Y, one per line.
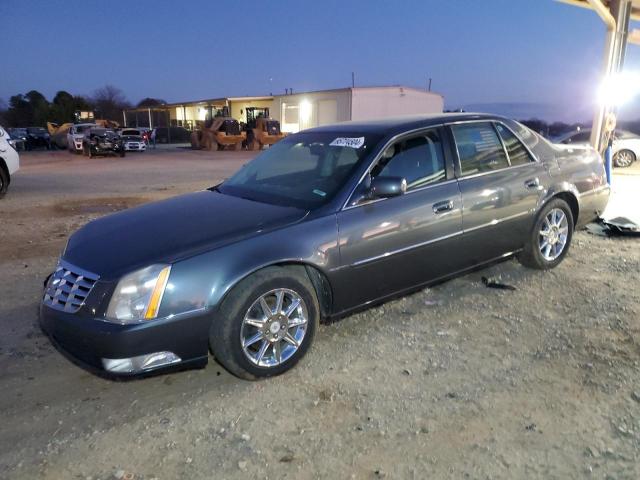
column 385, row 187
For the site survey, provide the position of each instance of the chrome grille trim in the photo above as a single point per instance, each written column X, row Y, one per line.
column 68, row 287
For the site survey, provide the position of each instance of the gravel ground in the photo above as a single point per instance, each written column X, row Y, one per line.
column 455, row 381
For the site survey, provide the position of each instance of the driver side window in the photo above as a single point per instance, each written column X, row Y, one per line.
column 419, row 160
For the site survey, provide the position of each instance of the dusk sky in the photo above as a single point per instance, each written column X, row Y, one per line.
column 540, row 53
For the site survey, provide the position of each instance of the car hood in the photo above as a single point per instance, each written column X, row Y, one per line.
column 169, row 230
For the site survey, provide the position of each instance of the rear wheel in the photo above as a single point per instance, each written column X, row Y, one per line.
column 266, row 324
column 624, row 158
column 4, row 182
column 551, row 236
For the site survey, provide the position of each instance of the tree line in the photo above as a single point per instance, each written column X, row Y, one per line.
column 555, row 129
column 32, row 109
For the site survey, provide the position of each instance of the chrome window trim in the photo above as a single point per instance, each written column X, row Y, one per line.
column 395, row 138
column 501, row 122
column 375, row 160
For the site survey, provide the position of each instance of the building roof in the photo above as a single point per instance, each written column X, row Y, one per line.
column 346, row 89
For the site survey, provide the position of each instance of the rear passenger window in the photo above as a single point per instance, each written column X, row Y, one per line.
column 479, row 148
column 419, row 160
column 518, row 155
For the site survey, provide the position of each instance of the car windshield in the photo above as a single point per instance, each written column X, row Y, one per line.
column 36, row 130
column 304, row 170
column 130, row 132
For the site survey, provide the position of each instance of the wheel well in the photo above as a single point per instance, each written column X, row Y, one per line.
column 320, row 283
column 4, row 168
column 572, row 201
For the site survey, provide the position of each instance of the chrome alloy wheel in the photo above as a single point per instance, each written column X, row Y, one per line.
column 273, row 328
column 623, row 158
column 553, row 234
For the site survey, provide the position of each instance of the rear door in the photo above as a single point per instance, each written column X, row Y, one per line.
column 501, row 185
column 389, row 245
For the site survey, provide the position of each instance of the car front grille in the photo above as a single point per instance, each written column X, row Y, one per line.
column 68, row 287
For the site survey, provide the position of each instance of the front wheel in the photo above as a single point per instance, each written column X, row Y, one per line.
column 551, row 236
column 266, row 324
column 624, row 158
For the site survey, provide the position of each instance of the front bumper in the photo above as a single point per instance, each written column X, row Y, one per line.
column 89, row 341
column 135, row 147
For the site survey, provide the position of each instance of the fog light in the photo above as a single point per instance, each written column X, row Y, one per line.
column 139, row 363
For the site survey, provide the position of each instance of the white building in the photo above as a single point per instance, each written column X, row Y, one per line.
column 296, row 111
column 299, row 111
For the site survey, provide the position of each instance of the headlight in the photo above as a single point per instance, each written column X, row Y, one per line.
column 138, row 295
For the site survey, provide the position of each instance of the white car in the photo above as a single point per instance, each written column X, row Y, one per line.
column 76, row 134
column 133, row 140
column 626, row 145
column 9, row 161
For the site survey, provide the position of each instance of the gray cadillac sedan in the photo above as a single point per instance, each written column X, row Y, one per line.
column 326, row 221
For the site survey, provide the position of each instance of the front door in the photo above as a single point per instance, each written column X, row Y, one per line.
column 392, row 244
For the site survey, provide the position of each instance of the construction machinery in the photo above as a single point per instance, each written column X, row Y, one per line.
column 266, row 132
column 221, row 133
column 58, row 134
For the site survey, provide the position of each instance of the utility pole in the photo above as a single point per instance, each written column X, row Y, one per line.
column 429, row 87
column 353, row 79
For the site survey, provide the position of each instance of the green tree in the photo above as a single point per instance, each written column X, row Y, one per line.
column 40, row 108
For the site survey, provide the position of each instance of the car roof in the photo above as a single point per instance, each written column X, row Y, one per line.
column 395, row 125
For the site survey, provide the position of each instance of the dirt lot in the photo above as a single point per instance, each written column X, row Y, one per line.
column 456, row 381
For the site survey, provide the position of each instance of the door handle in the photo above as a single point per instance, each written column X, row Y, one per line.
column 444, row 206
column 532, row 183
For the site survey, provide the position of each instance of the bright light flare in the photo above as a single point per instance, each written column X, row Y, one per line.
column 305, row 110
column 619, row 89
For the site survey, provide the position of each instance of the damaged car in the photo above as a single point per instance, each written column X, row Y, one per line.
column 325, row 222
column 102, row 141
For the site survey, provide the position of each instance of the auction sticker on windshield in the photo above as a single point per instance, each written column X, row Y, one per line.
column 348, row 142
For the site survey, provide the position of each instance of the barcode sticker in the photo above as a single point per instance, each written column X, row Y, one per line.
column 348, row 142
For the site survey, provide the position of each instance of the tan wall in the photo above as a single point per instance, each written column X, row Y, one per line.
column 334, row 103
column 372, row 103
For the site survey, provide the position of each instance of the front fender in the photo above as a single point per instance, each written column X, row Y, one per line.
column 202, row 281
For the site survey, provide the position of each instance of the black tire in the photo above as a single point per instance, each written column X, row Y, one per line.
column 225, row 334
column 624, row 158
column 4, row 182
column 532, row 256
